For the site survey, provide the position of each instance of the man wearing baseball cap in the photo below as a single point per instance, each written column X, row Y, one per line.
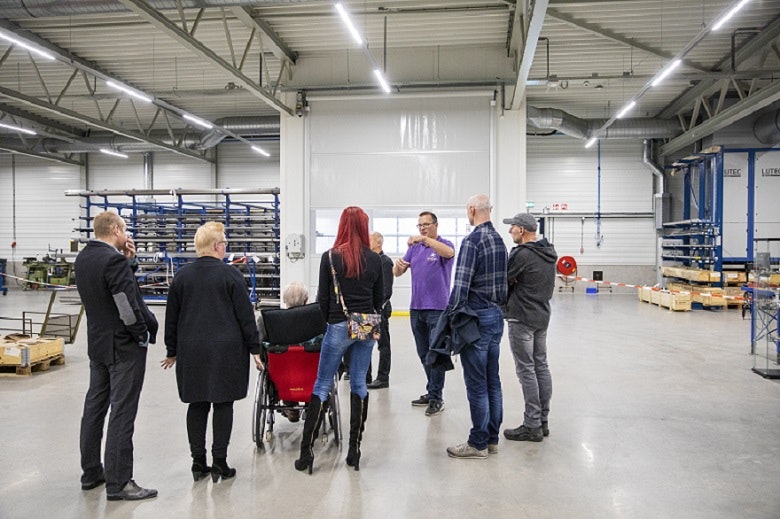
column 531, row 277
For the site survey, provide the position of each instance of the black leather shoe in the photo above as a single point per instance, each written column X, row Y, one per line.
column 94, row 483
column 132, row 492
column 378, row 384
column 524, row 434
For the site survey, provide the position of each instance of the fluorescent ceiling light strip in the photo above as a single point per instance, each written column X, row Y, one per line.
column 591, row 142
column 626, row 109
column 657, row 81
column 199, row 122
column 348, row 22
column 261, row 151
column 728, row 15
column 17, row 129
column 129, row 91
column 26, row 46
column 113, row 153
column 382, row 80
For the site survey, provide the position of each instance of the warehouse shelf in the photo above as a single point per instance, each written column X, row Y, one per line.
column 164, row 231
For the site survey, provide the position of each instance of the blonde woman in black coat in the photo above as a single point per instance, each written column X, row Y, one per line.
column 210, row 333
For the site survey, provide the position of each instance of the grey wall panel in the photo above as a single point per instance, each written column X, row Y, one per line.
column 735, row 205
column 174, row 171
column 563, row 173
column 238, row 166
column 767, row 192
column 108, row 172
column 45, row 217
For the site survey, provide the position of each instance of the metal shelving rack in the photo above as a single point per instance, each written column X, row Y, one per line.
column 164, row 231
column 696, row 240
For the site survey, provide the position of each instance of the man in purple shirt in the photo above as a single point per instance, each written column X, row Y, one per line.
column 430, row 258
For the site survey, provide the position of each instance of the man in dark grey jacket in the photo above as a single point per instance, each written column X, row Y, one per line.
column 531, row 277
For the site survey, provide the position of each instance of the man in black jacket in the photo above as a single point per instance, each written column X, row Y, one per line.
column 382, row 379
column 119, row 329
column 531, row 276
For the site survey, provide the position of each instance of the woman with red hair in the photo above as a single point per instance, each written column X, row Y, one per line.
column 359, row 274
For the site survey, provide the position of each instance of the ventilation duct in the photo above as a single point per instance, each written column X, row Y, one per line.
column 767, row 128
column 554, row 119
column 12, row 9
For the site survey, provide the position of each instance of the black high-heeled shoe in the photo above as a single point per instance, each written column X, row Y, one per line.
column 305, row 461
column 199, row 469
column 220, row 469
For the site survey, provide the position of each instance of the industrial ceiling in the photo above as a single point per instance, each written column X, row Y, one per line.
column 241, row 65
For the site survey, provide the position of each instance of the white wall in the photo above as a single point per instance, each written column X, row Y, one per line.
column 561, row 171
column 400, row 153
column 45, row 217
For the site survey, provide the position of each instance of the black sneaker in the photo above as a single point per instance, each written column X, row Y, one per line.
column 434, row 407
column 422, row 401
column 545, row 430
column 524, row 434
column 378, row 384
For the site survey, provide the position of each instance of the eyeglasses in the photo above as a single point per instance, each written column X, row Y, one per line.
column 222, row 242
column 424, row 225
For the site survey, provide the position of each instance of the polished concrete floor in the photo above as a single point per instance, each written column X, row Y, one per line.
column 655, row 414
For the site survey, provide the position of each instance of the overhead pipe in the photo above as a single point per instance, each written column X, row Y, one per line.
column 568, row 124
column 647, row 159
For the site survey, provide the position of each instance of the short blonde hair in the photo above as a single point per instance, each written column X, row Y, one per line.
column 207, row 236
column 104, row 223
column 295, row 294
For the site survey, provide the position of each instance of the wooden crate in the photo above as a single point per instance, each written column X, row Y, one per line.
column 734, row 277
column 678, row 287
column 644, row 293
column 27, row 355
column 655, row 297
column 697, row 275
column 677, row 302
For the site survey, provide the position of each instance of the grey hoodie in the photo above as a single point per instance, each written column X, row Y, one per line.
column 531, row 276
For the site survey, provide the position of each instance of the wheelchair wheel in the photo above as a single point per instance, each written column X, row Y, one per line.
column 334, row 412
column 261, row 408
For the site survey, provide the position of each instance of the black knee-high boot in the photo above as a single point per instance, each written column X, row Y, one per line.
column 357, row 424
column 315, row 412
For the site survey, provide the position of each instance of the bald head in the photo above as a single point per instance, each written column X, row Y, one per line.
column 478, row 209
column 377, row 240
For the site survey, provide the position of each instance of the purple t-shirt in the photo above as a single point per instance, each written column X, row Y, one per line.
column 431, row 276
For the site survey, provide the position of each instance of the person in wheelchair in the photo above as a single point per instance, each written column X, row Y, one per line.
column 210, row 334
column 295, row 294
column 358, row 272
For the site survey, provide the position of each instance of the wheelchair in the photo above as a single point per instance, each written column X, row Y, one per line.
column 291, row 355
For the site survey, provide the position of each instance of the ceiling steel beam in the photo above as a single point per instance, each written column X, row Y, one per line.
column 97, row 123
column 276, row 45
column 535, row 23
column 151, row 15
column 22, row 151
column 764, row 97
column 764, row 39
column 610, row 35
column 39, row 121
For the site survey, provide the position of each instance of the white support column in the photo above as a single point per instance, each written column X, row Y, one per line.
column 510, row 185
column 294, row 197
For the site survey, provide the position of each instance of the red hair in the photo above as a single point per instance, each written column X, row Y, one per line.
column 352, row 236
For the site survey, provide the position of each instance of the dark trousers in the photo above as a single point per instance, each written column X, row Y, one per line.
column 221, row 423
column 423, row 322
column 117, row 385
column 383, row 345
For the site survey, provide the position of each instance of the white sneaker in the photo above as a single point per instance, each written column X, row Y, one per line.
column 492, row 448
column 466, row 451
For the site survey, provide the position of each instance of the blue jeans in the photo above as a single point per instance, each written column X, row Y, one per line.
column 529, row 347
column 483, row 385
column 423, row 322
column 334, row 345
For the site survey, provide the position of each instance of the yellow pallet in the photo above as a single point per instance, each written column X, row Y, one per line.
column 27, row 355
